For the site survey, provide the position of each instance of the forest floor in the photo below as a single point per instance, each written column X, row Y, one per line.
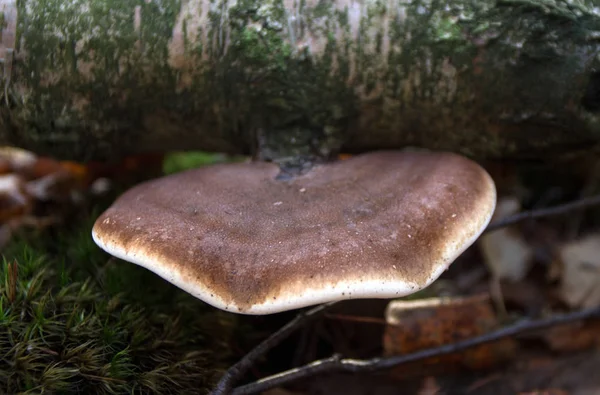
column 75, row 320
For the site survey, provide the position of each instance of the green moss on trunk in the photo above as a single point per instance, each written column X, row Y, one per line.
column 304, row 78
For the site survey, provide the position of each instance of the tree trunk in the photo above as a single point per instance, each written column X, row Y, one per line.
column 89, row 79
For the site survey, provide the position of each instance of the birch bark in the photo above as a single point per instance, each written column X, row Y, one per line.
column 97, row 79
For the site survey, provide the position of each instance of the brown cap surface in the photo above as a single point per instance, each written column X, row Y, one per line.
column 378, row 225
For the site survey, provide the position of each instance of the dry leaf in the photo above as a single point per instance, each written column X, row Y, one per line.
column 421, row 324
column 130, row 169
column 576, row 336
column 27, row 180
column 43, row 167
column 506, row 253
column 16, row 159
column 14, row 201
column 5, row 167
column 580, row 275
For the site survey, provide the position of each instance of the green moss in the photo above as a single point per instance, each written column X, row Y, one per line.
column 252, row 78
column 299, row 108
column 79, row 54
column 74, row 320
column 179, row 161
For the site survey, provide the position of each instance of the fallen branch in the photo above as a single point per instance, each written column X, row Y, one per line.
column 236, row 371
column 545, row 212
column 338, row 364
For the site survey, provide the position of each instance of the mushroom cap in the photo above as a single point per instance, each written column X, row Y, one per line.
column 378, row 225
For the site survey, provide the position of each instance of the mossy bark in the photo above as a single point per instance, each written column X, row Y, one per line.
column 288, row 78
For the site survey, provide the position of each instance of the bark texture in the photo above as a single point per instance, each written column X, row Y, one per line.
column 89, row 79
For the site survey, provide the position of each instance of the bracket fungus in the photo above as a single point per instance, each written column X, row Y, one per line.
column 378, row 225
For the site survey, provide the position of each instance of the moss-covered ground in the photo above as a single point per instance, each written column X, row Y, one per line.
column 75, row 320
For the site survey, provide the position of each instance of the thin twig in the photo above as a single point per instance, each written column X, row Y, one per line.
column 236, row 371
column 545, row 212
column 337, row 364
column 353, row 318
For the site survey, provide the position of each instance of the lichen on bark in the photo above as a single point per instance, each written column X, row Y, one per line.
column 84, row 66
column 289, row 79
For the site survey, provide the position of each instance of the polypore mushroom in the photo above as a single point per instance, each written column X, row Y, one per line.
column 377, row 225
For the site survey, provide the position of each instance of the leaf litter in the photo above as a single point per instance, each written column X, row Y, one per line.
column 74, row 320
column 536, row 275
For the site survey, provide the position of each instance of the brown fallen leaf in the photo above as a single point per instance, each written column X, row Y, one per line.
column 5, row 167
column 42, row 167
column 36, row 191
column 576, row 336
column 14, row 200
column 16, row 159
column 77, row 170
column 130, row 169
column 580, row 272
column 28, row 183
column 58, row 187
column 421, row 324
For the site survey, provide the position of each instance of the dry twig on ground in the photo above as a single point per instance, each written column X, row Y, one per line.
column 336, row 363
column 236, row 371
column 545, row 212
